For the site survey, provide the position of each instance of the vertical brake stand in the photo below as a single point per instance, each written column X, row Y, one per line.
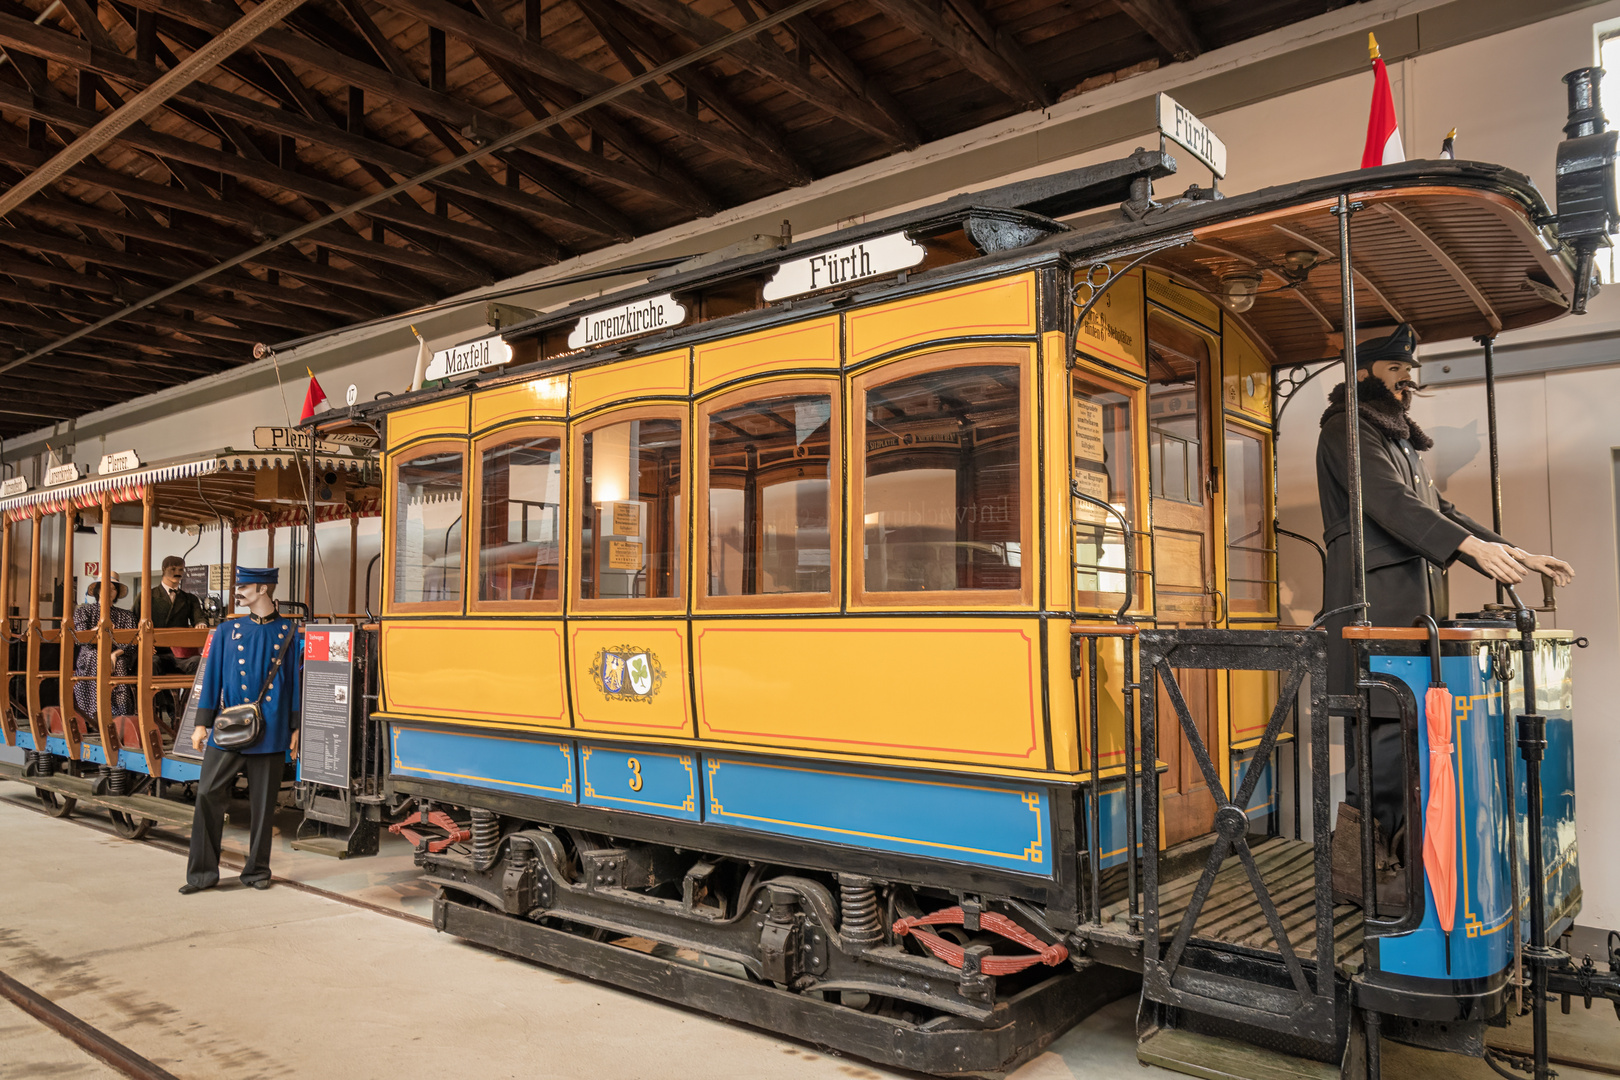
column 1532, row 731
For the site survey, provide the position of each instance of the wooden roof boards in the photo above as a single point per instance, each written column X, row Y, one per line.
column 347, row 97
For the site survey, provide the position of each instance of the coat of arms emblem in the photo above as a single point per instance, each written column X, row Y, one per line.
column 627, row 673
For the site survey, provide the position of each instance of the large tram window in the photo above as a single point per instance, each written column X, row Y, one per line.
column 519, row 522
column 427, row 528
column 770, row 506
column 1104, row 468
column 1249, row 549
column 632, row 517
column 1178, row 358
column 941, row 492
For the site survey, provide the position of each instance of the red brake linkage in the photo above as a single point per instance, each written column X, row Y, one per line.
column 454, row 833
column 952, row 953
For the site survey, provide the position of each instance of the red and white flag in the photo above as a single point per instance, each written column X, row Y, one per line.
column 314, row 397
column 1383, row 133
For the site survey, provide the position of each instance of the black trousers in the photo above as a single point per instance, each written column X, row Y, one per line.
column 1388, row 767
column 219, row 771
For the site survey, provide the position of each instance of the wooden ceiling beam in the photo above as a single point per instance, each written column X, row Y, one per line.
column 1167, row 23
column 131, row 374
column 24, row 36
column 841, row 67
column 45, row 300
column 23, row 320
column 764, row 58
column 531, row 57
column 957, row 35
column 624, row 34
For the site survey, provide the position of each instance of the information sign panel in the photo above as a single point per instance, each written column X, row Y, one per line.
column 188, row 718
column 328, row 703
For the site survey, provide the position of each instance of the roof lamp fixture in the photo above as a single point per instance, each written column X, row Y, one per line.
column 1300, row 263
column 1238, row 291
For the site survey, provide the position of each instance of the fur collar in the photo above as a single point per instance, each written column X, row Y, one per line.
column 1382, row 409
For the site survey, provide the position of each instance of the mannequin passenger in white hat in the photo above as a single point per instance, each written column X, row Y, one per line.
column 87, row 616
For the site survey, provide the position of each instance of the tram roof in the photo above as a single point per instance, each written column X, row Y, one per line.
column 1456, row 248
column 193, row 490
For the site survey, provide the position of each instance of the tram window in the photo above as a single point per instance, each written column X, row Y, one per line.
column 941, row 494
column 769, row 496
column 1178, row 360
column 632, row 516
column 1104, row 468
column 1249, row 551
column 427, row 529
column 519, row 523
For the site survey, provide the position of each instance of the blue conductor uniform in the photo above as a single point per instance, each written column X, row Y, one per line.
column 239, row 656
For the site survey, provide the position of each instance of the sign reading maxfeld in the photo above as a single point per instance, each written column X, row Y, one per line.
column 628, row 320
column 840, row 266
column 473, row 356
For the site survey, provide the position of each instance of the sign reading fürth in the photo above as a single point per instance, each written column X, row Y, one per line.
column 1185, row 129
column 840, row 266
column 627, row 320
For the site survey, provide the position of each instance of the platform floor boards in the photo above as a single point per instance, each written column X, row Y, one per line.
column 1232, row 914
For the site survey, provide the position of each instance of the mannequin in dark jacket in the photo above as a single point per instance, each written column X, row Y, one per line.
column 1412, row 535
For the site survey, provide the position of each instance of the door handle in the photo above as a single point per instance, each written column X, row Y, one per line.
column 1222, row 606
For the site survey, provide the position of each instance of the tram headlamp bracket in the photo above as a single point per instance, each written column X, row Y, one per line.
column 1588, row 208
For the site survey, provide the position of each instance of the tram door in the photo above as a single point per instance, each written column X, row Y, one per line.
column 1181, row 362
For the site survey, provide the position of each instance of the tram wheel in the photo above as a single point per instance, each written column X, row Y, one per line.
column 58, row 806
column 129, row 826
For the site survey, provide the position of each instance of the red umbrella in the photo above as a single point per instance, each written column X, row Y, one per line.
column 1439, row 817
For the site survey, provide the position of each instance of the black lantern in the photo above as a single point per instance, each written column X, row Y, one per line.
column 1587, row 209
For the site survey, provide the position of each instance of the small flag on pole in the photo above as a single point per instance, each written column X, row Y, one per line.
column 1448, row 149
column 1383, row 133
column 422, row 358
column 314, row 397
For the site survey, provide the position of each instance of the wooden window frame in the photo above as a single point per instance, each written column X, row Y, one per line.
column 670, row 605
column 1135, row 390
column 795, row 601
column 920, row 362
column 1268, row 458
column 405, row 456
column 475, row 517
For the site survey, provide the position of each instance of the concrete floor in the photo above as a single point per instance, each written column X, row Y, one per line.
column 247, row 985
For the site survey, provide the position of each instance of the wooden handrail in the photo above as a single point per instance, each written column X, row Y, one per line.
column 1419, row 633
column 1086, row 629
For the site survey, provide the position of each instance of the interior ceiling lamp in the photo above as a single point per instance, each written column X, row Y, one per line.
column 1238, row 291
column 1298, row 264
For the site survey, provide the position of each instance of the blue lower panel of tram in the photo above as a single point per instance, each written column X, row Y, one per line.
column 1481, row 945
column 133, row 760
column 985, row 823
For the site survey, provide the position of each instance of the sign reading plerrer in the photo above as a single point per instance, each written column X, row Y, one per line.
column 323, row 747
column 627, row 320
column 1185, row 129
column 473, row 356
column 854, row 262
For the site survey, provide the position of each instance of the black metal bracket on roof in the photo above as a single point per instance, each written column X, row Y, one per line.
column 1074, row 191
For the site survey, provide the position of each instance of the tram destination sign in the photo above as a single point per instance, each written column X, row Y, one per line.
column 123, row 461
column 492, row 351
column 61, row 474
column 284, row 438
column 15, row 486
column 627, row 320
column 876, row 257
column 1184, row 129
column 323, row 746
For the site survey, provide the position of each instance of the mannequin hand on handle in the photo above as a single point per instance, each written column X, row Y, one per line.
column 1496, row 561
column 199, row 738
column 1560, row 571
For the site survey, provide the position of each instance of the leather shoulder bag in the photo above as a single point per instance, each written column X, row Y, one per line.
column 240, row 726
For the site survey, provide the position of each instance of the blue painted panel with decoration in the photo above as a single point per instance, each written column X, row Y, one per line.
column 640, row 780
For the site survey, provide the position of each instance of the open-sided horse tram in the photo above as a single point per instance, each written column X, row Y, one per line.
column 877, row 639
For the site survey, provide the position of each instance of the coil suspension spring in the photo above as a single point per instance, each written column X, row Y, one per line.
column 44, row 762
column 858, row 900
column 486, row 838
column 118, row 782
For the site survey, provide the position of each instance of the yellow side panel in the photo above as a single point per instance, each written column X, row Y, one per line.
column 1055, row 406
column 949, row 690
column 665, row 375
column 1066, row 741
column 1114, row 332
column 546, row 397
column 446, row 417
column 499, row 672
column 1197, row 306
column 808, row 345
column 1253, row 694
column 1246, row 384
column 1110, row 704
column 630, row 677
column 1006, row 306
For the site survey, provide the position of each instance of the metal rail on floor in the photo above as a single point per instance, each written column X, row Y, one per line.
column 162, row 811
column 91, row 1040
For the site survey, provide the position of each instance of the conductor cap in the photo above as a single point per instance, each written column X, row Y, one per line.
column 257, row 575
column 1397, row 347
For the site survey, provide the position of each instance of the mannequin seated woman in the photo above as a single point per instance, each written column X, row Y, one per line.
column 87, row 616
